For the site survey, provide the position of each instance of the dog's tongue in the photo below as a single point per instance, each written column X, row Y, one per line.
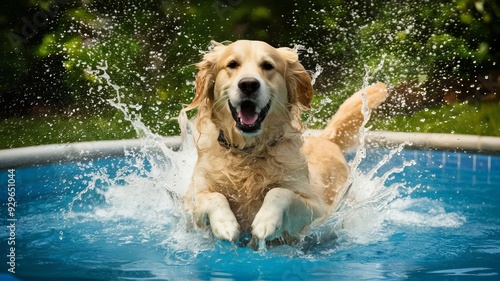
column 248, row 118
column 247, row 114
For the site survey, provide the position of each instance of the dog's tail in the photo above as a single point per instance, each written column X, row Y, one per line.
column 343, row 129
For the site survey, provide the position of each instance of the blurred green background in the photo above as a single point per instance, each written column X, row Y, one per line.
column 440, row 58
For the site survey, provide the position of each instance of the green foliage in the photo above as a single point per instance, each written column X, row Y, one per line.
column 465, row 118
column 59, row 129
column 418, row 41
column 57, row 67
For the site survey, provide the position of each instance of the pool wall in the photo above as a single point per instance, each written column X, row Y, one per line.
column 469, row 143
column 43, row 154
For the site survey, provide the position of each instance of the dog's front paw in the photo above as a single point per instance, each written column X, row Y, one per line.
column 268, row 223
column 224, row 226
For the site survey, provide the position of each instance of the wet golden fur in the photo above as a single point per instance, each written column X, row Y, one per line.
column 274, row 184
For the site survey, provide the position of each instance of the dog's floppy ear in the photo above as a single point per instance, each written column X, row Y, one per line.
column 298, row 80
column 205, row 77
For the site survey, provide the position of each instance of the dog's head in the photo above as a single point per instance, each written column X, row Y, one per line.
column 249, row 85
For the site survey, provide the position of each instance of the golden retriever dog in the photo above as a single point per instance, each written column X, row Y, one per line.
column 257, row 175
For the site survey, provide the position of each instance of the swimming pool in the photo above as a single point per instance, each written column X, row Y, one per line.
column 411, row 215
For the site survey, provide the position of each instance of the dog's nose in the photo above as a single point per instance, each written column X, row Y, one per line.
column 248, row 85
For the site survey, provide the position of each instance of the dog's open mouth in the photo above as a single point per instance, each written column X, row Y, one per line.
column 247, row 119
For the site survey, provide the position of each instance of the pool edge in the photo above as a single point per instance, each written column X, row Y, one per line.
column 51, row 153
column 44, row 154
column 470, row 143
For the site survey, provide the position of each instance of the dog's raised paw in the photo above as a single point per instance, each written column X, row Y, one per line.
column 267, row 224
column 225, row 226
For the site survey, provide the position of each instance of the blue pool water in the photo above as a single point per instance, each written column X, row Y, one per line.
column 421, row 215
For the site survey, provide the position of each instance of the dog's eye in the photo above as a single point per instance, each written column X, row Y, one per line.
column 232, row 64
column 267, row 65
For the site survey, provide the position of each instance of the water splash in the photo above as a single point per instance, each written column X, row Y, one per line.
column 363, row 130
column 146, row 190
column 365, row 111
column 371, row 201
column 316, row 73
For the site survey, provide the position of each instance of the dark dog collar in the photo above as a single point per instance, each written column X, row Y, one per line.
column 227, row 145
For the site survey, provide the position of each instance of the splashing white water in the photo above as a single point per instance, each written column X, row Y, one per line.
column 371, row 202
column 149, row 188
